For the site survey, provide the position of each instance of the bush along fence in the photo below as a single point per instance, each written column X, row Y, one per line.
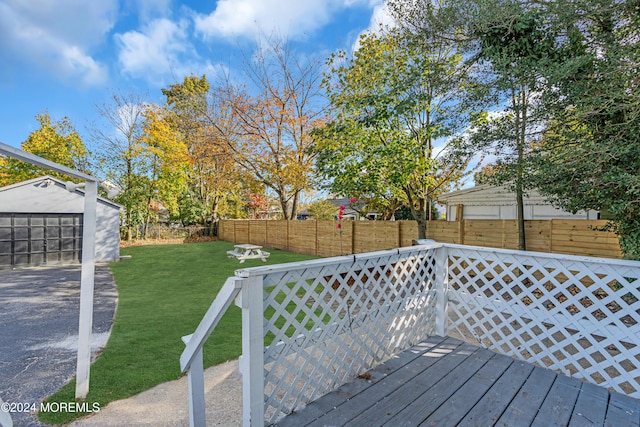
column 164, row 234
column 324, row 238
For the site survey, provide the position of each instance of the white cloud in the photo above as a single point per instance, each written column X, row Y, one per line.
column 257, row 18
column 159, row 52
column 154, row 50
column 380, row 19
column 149, row 9
column 57, row 36
column 79, row 64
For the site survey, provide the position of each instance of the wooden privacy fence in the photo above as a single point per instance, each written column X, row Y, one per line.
column 323, row 238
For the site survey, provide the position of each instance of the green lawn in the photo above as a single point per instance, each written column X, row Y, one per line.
column 163, row 292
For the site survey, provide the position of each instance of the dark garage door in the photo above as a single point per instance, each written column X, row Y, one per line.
column 39, row 239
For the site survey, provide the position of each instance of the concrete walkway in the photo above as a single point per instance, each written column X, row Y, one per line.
column 167, row 404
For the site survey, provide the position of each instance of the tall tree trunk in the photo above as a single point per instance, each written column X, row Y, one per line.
column 421, row 218
column 283, row 206
column 294, row 205
column 419, row 214
column 422, row 228
column 522, row 244
column 521, row 128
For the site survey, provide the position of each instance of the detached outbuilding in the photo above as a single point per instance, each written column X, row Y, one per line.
column 498, row 202
column 41, row 223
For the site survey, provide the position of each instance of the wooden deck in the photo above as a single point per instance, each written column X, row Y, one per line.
column 446, row 382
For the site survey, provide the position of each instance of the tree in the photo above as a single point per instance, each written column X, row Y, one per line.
column 122, row 155
column 514, row 46
column 267, row 122
column 213, row 174
column 394, row 100
column 55, row 141
column 583, row 55
column 256, row 204
column 323, row 210
column 169, row 162
column 590, row 154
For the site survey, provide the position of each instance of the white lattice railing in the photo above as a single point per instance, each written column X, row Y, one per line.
column 327, row 321
column 576, row 315
column 309, row 327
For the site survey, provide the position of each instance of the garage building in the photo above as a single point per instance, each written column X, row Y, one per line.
column 499, row 202
column 41, row 224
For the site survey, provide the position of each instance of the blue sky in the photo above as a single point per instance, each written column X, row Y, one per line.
column 67, row 56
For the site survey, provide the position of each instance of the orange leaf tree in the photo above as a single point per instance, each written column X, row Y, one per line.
column 267, row 122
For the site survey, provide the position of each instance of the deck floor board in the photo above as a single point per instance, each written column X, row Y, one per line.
column 490, row 407
column 591, row 406
column 445, row 382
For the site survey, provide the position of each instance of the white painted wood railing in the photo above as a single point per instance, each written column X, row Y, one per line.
column 576, row 315
column 309, row 327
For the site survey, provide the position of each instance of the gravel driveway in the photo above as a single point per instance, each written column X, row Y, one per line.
column 39, row 310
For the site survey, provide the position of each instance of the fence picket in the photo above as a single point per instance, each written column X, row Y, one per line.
column 323, row 238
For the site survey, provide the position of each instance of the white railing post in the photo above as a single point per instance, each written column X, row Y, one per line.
column 252, row 360
column 441, row 287
column 87, row 276
column 195, row 377
column 5, row 416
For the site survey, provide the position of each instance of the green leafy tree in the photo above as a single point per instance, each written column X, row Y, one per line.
column 579, row 59
column 590, row 154
column 323, row 210
column 55, row 141
column 513, row 46
column 393, row 101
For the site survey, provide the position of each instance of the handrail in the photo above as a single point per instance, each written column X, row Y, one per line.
column 191, row 358
column 323, row 262
column 223, row 300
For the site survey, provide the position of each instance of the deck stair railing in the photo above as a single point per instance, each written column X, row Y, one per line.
column 309, row 327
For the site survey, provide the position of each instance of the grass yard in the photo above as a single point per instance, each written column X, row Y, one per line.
column 163, row 293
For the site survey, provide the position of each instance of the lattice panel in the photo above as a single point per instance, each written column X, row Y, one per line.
column 325, row 324
column 568, row 314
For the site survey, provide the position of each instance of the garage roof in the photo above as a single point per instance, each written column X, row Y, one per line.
column 60, row 183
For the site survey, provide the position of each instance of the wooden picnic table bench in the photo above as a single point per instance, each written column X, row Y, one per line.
column 246, row 251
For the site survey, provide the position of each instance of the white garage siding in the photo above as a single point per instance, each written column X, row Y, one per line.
column 43, row 205
column 491, row 202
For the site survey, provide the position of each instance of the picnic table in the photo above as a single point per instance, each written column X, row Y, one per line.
column 246, row 251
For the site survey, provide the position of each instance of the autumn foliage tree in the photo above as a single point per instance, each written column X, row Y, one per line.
column 256, row 203
column 267, row 122
column 213, row 174
column 168, row 161
column 55, row 141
